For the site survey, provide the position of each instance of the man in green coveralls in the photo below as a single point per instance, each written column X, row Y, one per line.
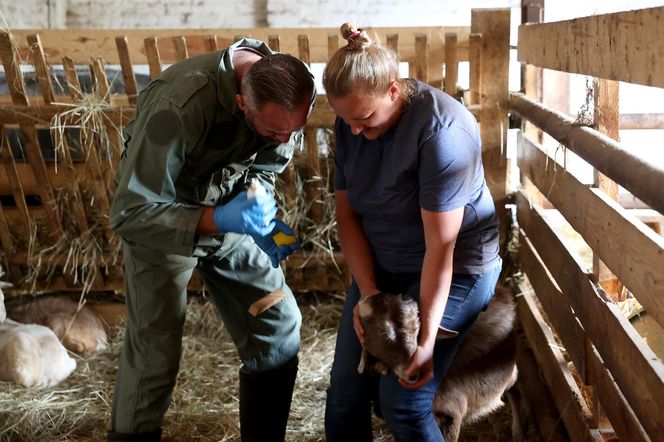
column 202, row 131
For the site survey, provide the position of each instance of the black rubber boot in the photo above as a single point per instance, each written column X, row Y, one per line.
column 152, row 436
column 265, row 400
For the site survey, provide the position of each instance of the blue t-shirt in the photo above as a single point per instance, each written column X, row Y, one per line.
column 431, row 159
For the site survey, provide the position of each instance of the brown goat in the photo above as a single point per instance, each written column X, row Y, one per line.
column 482, row 370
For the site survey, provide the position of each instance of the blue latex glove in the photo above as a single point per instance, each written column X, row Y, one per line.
column 253, row 216
column 275, row 252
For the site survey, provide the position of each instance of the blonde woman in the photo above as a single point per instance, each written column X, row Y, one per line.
column 415, row 216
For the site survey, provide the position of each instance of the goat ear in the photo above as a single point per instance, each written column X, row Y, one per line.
column 363, row 361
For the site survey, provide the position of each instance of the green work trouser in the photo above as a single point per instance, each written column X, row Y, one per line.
column 239, row 278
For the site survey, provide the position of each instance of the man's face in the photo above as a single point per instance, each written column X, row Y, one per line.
column 273, row 121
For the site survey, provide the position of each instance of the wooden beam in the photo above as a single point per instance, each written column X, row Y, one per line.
column 420, row 69
column 636, row 369
column 631, row 250
column 643, row 179
column 626, row 46
column 127, row 69
column 11, row 62
column 41, row 68
column 475, row 55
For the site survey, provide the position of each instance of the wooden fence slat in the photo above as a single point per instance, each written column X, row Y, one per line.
column 73, row 84
column 600, row 151
column 7, row 243
column 102, row 89
column 210, row 43
column 451, row 65
column 180, row 45
column 635, row 367
column 568, row 327
column 566, row 394
column 41, row 67
column 635, row 253
column 332, row 44
column 13, row 74
column 36, row 160
column 420, row 67
column 626, row 46
column 588, row 363
column 393, row 43
column 127, row 69
column 274, row 43
column 152, row 54
column 303, row 48
column 475, row 56
column 15, row 180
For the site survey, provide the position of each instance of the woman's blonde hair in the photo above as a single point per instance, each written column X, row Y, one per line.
column 362, row 62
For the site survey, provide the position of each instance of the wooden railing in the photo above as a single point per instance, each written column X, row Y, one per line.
column 612, row 360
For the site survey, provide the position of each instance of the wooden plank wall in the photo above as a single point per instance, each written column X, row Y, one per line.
column 613, row 362
column 426, row 49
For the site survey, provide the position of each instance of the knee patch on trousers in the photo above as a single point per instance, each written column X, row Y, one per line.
column 266, row 302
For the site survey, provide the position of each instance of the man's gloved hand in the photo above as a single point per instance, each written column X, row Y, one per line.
column 253, row 216
column 277, row 252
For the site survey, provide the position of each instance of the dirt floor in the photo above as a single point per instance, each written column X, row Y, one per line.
column 205, row 401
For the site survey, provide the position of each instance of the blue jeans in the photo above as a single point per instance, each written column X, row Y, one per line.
column 407, row 412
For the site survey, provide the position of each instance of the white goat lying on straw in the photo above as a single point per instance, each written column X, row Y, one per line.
column 31, row 355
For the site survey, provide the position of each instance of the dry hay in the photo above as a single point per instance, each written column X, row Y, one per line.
column 205, row 401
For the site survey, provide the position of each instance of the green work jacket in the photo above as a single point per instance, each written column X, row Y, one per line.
column 187, row 147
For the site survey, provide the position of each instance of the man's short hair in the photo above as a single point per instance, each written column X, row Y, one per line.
column 280, row 79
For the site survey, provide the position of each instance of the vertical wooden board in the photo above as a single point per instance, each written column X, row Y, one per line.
column 210, row 43
column 152, row 54
column 420, row 69
column 475, row 61
column 451, row 64
column 274, row 43
column 607, row 121
column 494, row 25
column 127, row 69
column 180, row 46
column 41, row 68
column 73, row 84
column 332, row 44
column 13, row 74
column 7, row 243
column 45, row 189
column 303, row 48
column 102, row 89
column 14, row 179
column 393, row 43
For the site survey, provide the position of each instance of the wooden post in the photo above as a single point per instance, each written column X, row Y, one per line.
column 313, row 183
column 332, row 44
column 152, row 54
column 393, row 43
column 210, row 43
column 180, row 45
column 494, row 25
column 607, row 121
column 273, row 42
column 127, row 69
column 475, row 59
column 41, row 68
column 421, row 58
column 451, row 64
column 73, row 84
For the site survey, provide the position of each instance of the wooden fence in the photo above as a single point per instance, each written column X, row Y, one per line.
column 612, row 360
column 54, row 201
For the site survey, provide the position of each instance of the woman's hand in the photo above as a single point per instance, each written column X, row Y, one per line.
column 421, row 368
column 357, row 323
